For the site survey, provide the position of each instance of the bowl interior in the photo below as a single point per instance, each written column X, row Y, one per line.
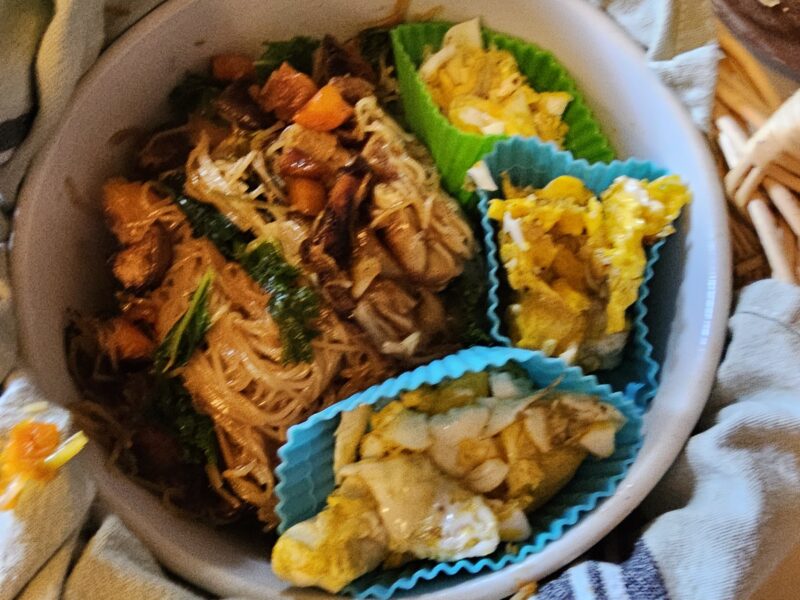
column 60, row 248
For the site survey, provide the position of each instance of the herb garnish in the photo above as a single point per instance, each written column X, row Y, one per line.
column 465, row 298
column 291, row 305
column 195, row 92
column 188, row 332
column 297, row 51
column 208, row 222
column 173, row 408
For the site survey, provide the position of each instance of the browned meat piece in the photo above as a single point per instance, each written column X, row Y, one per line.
column 230, row 67
column 128, row 208
column 320, row 146
column 333, row 59
column 122, row 340
column 286, row 91
column 352, row 88
column 143, row 263
column 158, row 454
column 139, row 309
column 165, row 150
column 236, row 106
column 295, row 163
column 200, row 126
column 378, row 155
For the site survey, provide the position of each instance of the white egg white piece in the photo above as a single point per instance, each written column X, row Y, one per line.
column 425, row 512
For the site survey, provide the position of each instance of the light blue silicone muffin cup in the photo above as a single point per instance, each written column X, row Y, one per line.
column 306, row 468
column 528, row 162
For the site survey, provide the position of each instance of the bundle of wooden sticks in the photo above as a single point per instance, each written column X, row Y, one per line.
column 758, row 138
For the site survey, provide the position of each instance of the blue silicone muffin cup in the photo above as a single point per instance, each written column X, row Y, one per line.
column 528, row 162
column 306, row 470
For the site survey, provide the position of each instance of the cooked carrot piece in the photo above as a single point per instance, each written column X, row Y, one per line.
column 230, row 67
column 306, row 195
column 287, row 90
column 325, row 111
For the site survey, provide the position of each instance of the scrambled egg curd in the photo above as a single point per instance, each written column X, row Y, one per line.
column 482, row 91
column 443, row 473
column 574, row 262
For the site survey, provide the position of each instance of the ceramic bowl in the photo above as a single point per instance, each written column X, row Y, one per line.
column 60, row 248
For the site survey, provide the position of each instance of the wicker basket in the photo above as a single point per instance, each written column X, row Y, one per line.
column 746, row 103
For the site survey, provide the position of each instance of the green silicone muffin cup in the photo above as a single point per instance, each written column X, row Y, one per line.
column 456, row 151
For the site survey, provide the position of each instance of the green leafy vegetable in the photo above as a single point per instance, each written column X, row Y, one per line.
column 208, row 222
column 188, row 332
column 375, row 44
column 465, row 298
column 196, row 92
column 292, row 306
column 174, row 410
column 297, row 51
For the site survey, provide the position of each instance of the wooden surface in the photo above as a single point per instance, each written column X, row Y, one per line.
column 772, row 32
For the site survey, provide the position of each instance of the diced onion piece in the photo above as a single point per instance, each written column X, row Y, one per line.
column 408, row 430
column 502, row 386
column 555, row 103
column 465, row 35
column 537, row 429
column 372, row 446
column 504, row 413
column 487, row 476
column 599, row 439
column 515, row 527
column 495, row 128
column 513, row 228
column 352, row 426
column 435, row 61
column 482, row 177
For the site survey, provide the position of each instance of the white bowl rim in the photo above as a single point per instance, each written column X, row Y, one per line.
column 643, row 475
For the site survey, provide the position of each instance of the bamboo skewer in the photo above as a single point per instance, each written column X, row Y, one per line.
column 751, row 67
column 775, row 237
column 786, row 203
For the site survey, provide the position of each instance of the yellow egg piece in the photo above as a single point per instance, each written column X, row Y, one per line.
column 575, row 263
column 482, row 91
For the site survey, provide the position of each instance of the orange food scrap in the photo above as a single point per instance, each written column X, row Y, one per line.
column 325, row 111
column 23, row 458
column 306, row 195
column 230, row 67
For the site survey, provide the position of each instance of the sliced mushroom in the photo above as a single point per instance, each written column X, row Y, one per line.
column 296, row 163
column 236, row 106
column 336, row 227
